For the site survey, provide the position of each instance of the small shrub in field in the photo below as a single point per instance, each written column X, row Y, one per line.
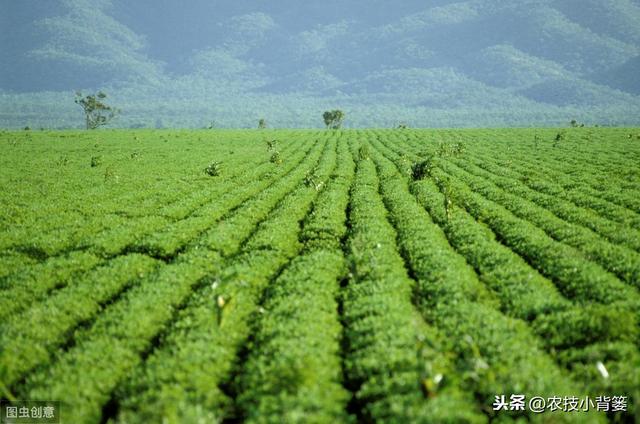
column 561, row 136
column 213, row 169
column 311, row 179
column 96, row 161
column 275, row 158
column 272, row 145
column 576, row 124
column 363, row 152
column 421, row 170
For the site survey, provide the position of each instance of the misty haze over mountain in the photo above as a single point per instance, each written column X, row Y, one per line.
column 425, row 63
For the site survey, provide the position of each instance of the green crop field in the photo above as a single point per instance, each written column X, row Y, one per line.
column 279, row 276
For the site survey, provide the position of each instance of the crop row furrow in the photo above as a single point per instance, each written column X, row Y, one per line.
column 11, row 262
column 178, row 236
column 24, row 290
column 233, row 175
column 527, row 295
column 31, row 284
column 522, row 291
column 60, row 231
column 582, row 182
column 494, row 353
column 211, row 329
column 396, row 365
column 577, row 278
column 575, row 275
column 293, row 368
column 619, row 260
column 557, row 194
column 157, row 299
column 103, row 354
column 595, row 185
column 28, row 339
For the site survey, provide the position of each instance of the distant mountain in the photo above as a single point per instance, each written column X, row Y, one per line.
column 532, row 56
column 625, row 77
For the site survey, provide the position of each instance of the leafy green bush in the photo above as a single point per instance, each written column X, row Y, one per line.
column 213, row 169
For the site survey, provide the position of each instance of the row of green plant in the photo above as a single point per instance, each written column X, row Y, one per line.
column 12, row 261
column 232, row 170
column 34, row 282
column 171, row 239
column 224, row 237
column 584, row 185
column 575, row 275
column 565, row 329
column 605, row 161
column 33, row 332
column 522, row 291
column 225, row 195
column 576, row 208
column 198, row 354
column 96, row 208
column 54, row 232
column 397, row 366
column 293, row 371
column 494, row 353
column 163, row 298
column 116, row 341
column 584, row 173
column 617, row 259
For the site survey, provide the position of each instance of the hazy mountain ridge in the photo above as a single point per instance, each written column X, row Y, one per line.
column 473, row 54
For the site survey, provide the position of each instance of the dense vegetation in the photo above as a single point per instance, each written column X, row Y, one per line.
column 429, row 63
column 319, row 276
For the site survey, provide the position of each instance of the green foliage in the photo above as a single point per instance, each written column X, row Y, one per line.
column 312, row 180
column 213, row 169
column 422, row 169
column 559, row 138
column 272, row 145
column 450, row 149
column 363, row 152
column 575, row 124
column 262, row 123
column 374, row 276
column 275, row 158
column 333, row 119
column 63, row 160
column 110, row 174
column 97, row 113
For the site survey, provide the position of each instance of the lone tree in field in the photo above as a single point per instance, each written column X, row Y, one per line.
column 333, row 118
column 96, row 112
column 262, row 124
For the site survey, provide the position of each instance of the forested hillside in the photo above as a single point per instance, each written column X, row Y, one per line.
column 428, row 63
